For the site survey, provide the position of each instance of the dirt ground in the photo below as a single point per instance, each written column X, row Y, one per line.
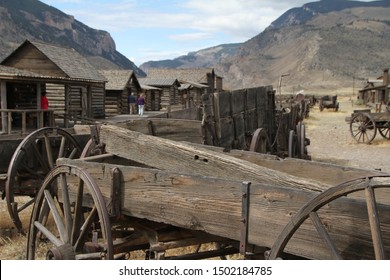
column 330, row 141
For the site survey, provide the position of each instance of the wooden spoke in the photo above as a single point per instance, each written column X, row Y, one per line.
column 48, row 234
column 84, row 228
column 79, row 217
column 33, row 159
column 325, row 198
column 62, row 148
column 324, row 235
column 373, row 217
column 77, row 212
column 57, row 216
column 66, row 205
column 49, row 152
column 39, row 157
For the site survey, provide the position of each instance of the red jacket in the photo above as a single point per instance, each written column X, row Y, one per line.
column 44, row 103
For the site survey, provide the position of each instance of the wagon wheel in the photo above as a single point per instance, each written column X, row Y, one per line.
column 385, row 130
column 363, row 128
column 259, row 142
column 75, row 223
column 310, row 211
column 301, row 136
column 32, row 160
column 292, row 144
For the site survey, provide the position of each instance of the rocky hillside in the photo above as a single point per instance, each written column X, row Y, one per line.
column 321, row 45
column 204, row 58
column 34, row 20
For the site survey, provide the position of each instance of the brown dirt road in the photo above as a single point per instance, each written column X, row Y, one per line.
column 331, row 140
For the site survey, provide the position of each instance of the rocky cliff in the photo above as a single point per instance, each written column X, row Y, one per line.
column 34, row 20
column 326, row 44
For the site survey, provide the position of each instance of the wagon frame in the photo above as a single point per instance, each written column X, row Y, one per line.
column 364, row 125
column 135, row 203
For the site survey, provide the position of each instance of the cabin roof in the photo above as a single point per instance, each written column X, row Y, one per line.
column 198, row 75
column 159, row 82
column 12, row 73
column 73, row 64
column 119, row 79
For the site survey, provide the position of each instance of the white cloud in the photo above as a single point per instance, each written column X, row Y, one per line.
column 191, row 37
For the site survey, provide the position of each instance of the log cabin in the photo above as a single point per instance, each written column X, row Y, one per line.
column 120, row 84
column 191, row 94
column 376, row 91
column 75, row 89
column 152, row 97
column 170, row 90
column 204, row 76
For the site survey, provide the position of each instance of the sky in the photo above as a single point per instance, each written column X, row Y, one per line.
column 145, row 30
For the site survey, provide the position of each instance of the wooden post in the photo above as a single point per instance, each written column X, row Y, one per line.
column 66, row 113
column 24, row 122
column 39, row 113
column 9, row 122
column 4, row 123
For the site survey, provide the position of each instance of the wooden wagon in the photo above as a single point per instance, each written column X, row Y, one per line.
column 149, row 193
column 364, row 125
column 329, row 102
column 243, row 119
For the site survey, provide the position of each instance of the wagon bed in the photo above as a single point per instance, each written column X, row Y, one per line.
column 254, row 203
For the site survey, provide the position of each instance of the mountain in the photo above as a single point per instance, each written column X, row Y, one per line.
column 200, row 59
column 322, row 45
column 34, row 20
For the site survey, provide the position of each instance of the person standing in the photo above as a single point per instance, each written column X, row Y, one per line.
column 141, row 104
column 45, row 106
column 132, row 102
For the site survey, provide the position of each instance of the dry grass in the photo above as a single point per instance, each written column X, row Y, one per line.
column 12, row 244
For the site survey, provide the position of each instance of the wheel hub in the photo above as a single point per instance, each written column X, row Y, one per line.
column 63, row 252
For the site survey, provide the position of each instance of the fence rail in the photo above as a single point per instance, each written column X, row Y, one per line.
column 21, row 118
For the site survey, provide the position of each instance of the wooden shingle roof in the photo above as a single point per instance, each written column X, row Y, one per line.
column 198, row 75
column 12, row 73
column 119, row 79
column 159, row 82
column 69, row 61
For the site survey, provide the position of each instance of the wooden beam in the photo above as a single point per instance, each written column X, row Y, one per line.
column 214, row 205
column 182, row 157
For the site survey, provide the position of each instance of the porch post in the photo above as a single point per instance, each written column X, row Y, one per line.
column 4, row 116
column 39, row 113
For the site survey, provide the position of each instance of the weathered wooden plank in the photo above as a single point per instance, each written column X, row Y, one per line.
column 182, row 157
column 223, row 103
column 226, row 129
column 251, row 101
column 214, row 205
column 239, row 131
column 174, row 129
column 238, row 98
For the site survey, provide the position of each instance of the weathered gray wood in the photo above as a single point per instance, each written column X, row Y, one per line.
column 238, row 98
column 239, row 131
column 174, row 129
column 214, row 205
column 184, row 158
